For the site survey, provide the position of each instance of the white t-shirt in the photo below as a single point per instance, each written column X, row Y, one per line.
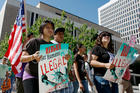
column 112, row 56
column 54, row 42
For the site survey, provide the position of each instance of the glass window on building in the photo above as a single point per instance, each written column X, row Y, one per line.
column 132, row 17
column 136, row 26
column 133, row 26
column 134, row 32
column 36, row 17
column 131, row 8
column 138, row 41
column 133, row 21
column 32, row 19
column 136, row 10
column 137, row 36
column 132, row 12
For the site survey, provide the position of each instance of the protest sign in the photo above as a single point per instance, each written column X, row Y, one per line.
column 125, row 56
column 53, row 67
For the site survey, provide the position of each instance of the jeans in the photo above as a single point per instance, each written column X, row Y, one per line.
column 76, row 86
column 103, row 86
column 8, row 91
column 1, row 82
column 12, row 82
column 68, row 89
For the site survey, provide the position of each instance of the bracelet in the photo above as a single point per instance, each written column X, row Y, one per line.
column 32, row 57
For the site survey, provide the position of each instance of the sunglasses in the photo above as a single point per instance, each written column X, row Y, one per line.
column 106, row 34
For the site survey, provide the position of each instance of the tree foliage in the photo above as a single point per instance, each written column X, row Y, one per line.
column 4, row 45
column 73, row 34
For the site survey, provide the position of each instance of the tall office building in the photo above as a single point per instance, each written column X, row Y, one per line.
column 122, row 16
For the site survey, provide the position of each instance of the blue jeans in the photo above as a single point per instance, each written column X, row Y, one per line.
column 1, row 82
column 103, row 85
column 76, row 86
column 65, row 90
column 12, row 82
column 8, row 91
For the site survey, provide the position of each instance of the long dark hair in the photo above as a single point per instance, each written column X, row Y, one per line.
column 44, row 23
column 99, row 41
column 76, row 49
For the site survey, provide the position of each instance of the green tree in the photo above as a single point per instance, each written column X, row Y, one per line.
column 4, row 45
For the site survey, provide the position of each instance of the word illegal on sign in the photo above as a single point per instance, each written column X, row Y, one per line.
column 125, row 56
column 120, row 62
column 53, row 64
column 53, row 67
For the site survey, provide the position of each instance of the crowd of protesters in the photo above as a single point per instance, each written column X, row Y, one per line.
column 8, row 81
column 87, row 71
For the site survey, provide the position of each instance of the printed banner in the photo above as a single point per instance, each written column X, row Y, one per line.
column 53, row 67
column 126, row 55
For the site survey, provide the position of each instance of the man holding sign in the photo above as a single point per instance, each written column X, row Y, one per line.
column 58, row 38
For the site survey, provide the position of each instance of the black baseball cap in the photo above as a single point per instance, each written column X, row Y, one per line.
column 59, row 30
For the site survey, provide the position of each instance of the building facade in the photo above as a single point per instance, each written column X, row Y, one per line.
column 122, row 16
column 10, row 9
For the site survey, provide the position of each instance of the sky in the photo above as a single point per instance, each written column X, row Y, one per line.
column 87, row 9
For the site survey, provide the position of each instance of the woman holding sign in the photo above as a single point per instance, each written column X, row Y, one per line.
column 31, row 56
column 101, row 54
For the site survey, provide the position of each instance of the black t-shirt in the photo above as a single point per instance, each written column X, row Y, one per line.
column 31, row 47
column 103, row 57
column 81, row 66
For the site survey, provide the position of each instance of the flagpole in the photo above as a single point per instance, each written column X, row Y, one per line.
column 25, row 11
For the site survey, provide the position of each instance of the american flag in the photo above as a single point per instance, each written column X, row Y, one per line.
column 15, row 40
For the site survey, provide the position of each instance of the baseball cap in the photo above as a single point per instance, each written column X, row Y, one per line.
column 59, row 30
